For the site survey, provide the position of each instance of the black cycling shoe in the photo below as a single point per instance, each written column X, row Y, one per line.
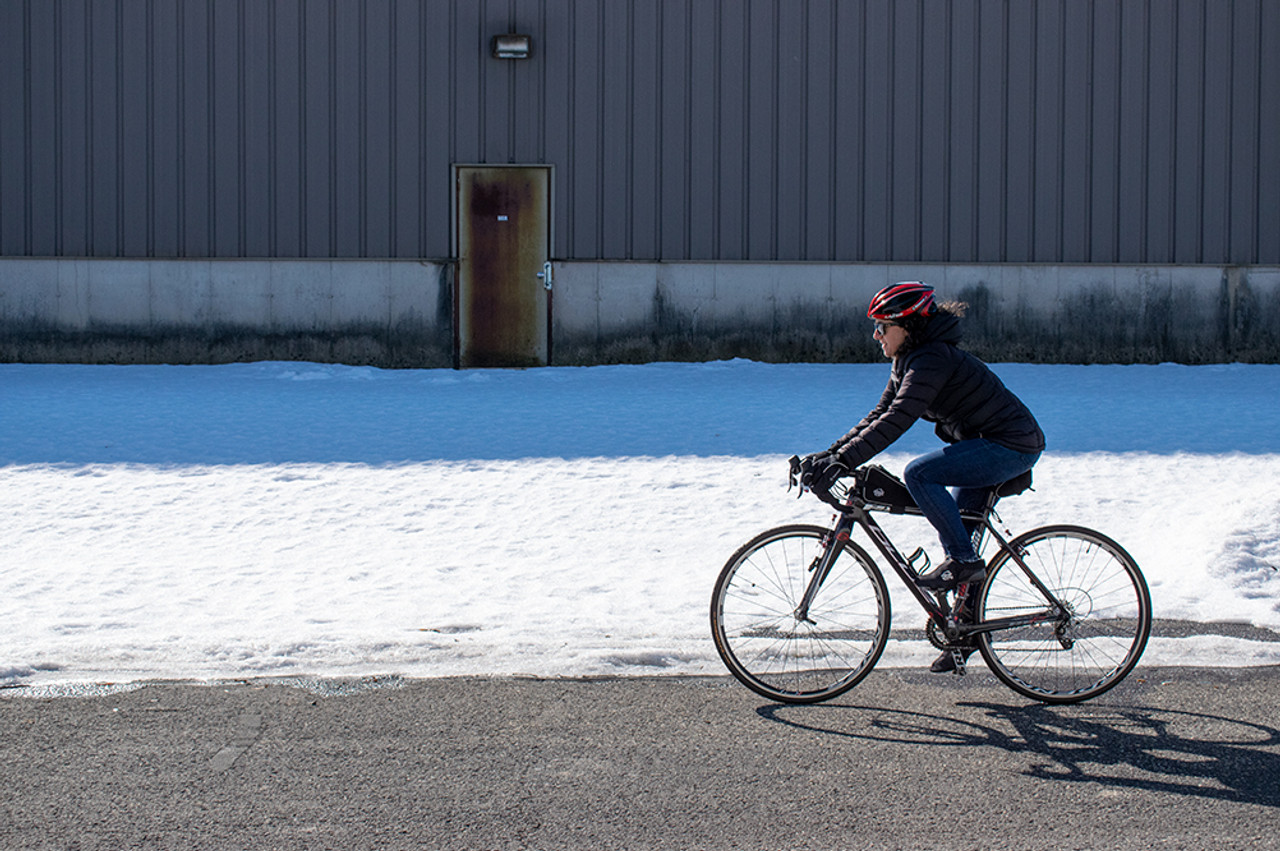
column 946, row 663
column 950, row 573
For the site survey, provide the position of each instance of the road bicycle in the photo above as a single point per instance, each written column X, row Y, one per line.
column 800, row 613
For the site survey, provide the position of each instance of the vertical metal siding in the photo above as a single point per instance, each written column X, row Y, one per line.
column 675, row 106
column 1268, row 167
column 1138, row 131
column 14, row 126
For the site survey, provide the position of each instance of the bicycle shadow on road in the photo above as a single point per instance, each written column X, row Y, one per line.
column 1143, row 748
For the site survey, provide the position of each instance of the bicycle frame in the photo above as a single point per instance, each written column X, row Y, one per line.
column 851, row 514
column 801, row 613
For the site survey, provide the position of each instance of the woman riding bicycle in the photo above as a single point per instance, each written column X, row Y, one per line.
column 991, row 435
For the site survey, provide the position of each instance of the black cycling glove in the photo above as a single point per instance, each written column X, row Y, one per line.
column 826, row 469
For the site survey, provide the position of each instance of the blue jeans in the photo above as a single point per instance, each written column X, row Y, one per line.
column 973, row 467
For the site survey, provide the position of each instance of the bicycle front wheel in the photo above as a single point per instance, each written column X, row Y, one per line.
column 1065, row 660
column 781, row 652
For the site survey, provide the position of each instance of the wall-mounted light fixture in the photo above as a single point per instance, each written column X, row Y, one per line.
column 511, row 46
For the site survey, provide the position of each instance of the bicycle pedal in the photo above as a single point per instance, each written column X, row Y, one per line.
column 918, row 554
column 959, row 659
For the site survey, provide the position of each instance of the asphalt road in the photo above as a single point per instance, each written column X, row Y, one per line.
column 1173, row 758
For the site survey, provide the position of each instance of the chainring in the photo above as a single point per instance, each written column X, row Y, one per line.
column 934, row 633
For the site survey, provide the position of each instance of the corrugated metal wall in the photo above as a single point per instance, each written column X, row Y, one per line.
column 1133, row 131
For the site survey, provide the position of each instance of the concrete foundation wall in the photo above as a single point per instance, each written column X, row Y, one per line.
column 611, row 312
column 385, row 313
column 396, row 313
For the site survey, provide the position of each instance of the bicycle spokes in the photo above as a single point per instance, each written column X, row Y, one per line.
column 1066, row 620
column 795, row 632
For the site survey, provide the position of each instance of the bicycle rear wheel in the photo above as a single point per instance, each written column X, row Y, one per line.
column 1058, row 661
column 780, row 655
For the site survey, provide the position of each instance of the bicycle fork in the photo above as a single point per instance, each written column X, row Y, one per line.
column 832, row 545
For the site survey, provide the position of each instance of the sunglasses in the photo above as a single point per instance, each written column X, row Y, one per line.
column 881, row 327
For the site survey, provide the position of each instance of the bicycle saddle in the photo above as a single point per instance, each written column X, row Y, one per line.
column 1014, row 486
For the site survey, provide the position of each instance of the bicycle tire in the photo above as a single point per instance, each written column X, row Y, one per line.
column 1111, row 615
column 774, row 653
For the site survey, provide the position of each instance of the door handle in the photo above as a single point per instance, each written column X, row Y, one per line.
column 545, row 275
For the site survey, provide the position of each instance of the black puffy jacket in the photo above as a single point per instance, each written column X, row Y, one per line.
column 936, row 381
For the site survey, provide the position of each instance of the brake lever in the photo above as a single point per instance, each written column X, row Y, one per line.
column 796, row 477
column 827, row 497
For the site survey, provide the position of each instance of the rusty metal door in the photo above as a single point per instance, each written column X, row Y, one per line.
column 503, row 298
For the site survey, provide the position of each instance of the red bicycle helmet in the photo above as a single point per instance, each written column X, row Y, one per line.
column 905, row 298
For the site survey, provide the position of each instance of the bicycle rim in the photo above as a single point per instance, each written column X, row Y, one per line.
column 777, row 654
column 1097, row 646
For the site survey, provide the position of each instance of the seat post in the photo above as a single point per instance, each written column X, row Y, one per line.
column 980, row 530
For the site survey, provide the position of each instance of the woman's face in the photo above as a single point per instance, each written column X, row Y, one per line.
column 891, row 337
